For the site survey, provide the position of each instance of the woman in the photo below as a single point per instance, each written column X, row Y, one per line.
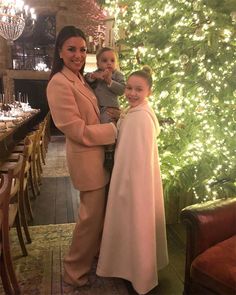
column 75, row 112
column 134, row 243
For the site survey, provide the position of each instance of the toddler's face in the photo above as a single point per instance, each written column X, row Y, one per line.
column 107, row 61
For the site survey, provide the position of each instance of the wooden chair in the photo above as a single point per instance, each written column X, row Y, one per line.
column 44, row 138
column 9, row 215
column 25, row 204
column 42, row 128
column 24, row 188
column 36, row 166
column 14, row 169
column 34, row 171
column 6, row 267
column 40, row 138
column 47, row 130
column 41, row 148
column 39, row 152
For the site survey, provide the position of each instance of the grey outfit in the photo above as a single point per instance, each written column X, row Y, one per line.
column 107, row 96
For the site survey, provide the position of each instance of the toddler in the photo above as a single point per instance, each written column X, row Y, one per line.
column 108, row 84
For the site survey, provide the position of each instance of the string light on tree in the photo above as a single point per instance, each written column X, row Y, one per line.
column 191, row 49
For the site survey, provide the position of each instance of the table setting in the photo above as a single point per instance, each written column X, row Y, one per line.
column 14, row 113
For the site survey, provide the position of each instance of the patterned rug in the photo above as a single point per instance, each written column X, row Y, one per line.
column 56, row 165
column 40, row 272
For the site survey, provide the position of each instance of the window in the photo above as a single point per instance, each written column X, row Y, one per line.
column 34, row 49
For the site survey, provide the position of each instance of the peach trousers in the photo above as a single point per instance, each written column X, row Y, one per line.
column 86, row 237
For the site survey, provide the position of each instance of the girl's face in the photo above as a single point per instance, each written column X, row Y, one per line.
column 73, row 53
column 107, row 61
column 136, row 90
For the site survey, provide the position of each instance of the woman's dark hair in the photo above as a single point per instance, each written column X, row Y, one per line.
column 145, row 73
column 65, row 33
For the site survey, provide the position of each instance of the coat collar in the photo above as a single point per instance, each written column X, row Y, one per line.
column 81, row 85
column 144, row 106
column 69, row 74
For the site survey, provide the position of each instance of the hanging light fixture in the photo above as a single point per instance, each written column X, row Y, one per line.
column 13, row 16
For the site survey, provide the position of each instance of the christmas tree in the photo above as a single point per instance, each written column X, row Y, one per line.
column 191, row 47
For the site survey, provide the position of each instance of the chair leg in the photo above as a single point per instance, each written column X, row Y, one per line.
column 5, row 277
column 23, row 218
column 28, row 204
column 20, row 236
column 36, row 172
column 39, row 169
column 39, row 165
column 35, row 178
column 33, row 189
column 8, row 260
column 43, row 153
column 26, row 230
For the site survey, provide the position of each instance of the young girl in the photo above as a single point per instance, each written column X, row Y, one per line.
column 134, row 245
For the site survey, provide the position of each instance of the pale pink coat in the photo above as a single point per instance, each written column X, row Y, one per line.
column 75, row 112
column 134, row 245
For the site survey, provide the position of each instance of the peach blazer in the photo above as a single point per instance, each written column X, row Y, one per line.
column 75, row 112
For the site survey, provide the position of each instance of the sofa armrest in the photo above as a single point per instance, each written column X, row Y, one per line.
column 209, row 223
column 206, row 224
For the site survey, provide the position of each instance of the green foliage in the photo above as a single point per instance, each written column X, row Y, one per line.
column 190, row 45
column 225, row 6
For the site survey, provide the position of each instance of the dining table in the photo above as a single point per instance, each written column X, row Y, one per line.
column 15, row 123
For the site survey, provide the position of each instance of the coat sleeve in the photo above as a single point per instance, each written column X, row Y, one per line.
column 118, row 83
column 68, row 118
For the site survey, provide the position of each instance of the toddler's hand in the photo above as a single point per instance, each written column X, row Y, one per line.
column 97, row 75
column 113, row 113
column 107, row 76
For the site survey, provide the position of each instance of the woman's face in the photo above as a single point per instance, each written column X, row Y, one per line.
column 73, row 53
column 136, row 90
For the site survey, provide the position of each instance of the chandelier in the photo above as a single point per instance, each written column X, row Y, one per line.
column 13, row 16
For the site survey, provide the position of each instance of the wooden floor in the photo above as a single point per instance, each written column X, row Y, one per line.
column 58, row 201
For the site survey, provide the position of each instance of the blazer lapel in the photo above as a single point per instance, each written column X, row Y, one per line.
column 82, row 88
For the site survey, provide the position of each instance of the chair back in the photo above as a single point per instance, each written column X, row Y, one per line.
column 27, row 153
column 7, row 180
column 5, row 189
